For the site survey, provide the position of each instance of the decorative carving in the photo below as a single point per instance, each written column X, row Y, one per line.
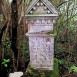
column 49, row 21
column 45, row 7
column 38, row 4
column 38, row 21
column 44, row 3
column 34, row 8
column 41, row 4
column 31, row 12
column 43, row 21
column 48, row 11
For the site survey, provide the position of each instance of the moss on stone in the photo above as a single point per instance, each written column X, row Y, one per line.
column 46, row 73
column 55, row 72
column 38, row 13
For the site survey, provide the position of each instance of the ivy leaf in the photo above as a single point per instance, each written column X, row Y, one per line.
column 3, row 62
column 6, row 60
column 5, row 65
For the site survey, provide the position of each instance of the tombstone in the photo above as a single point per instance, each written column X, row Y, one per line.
column 40, row 16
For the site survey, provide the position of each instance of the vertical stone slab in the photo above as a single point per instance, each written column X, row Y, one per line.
column 41, row 51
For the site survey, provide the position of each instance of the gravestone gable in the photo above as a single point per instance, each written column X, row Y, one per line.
column 40, row 16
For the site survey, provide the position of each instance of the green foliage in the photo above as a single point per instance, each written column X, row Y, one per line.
column 38, row 13
column 5, row 61
column 60, row 51
column 65, row 43
column 73, row 69
column 64, row 63
column 72, row 28
column 55, row 32
column 55, row 72
column 7, row 46
column 27, row 1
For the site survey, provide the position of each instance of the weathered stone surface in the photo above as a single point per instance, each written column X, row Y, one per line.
column 39, row 25
column 40, row 4
column 41, row 51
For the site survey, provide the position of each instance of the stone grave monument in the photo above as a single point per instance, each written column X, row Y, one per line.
column 40, row 16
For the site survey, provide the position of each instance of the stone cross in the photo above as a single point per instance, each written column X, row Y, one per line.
column 40, row 16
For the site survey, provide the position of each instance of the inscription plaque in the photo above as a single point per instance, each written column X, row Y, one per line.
column 41, row 52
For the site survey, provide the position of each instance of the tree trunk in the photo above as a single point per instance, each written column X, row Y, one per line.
column 14, row 19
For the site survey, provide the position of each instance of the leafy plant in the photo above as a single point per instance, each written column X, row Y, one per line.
column 64, row 63
column 73, row 69
column 60, row 51
column 5, row 61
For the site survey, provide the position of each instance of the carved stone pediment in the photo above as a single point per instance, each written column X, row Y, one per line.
column 37, row 7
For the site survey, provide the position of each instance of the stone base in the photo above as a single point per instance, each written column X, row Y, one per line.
column 44, row 73
column 41, row 68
